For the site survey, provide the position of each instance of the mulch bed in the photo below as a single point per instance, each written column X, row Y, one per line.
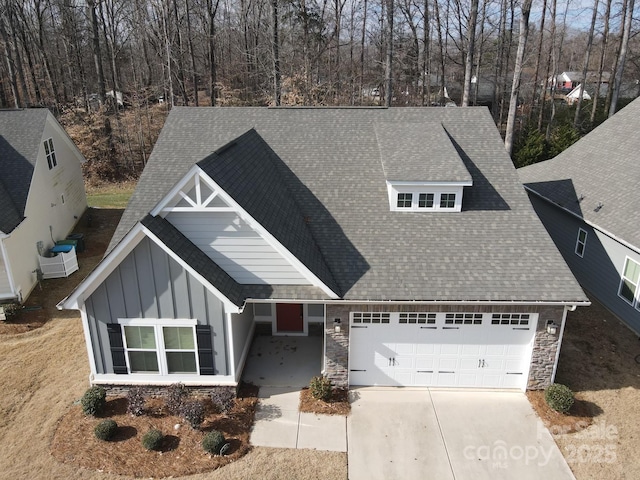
column 580, row 415
column 338, row 404
column 182, row 454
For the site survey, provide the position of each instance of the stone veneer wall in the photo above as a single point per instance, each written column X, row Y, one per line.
column 545, row 347
column 160, row 390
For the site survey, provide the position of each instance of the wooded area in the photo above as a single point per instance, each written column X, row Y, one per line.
column 115, row 67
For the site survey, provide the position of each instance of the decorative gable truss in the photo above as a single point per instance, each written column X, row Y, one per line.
column 227, row 234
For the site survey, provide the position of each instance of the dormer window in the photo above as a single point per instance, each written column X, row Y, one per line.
column 405, row 200
column 447, row 200
column 425, row 200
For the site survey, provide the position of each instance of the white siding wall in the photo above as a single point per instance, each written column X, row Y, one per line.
column 5, row 286
column 45, row 208
column 242, row 325
column 236, row 248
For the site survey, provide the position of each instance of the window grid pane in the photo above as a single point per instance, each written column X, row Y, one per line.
column 447, row 200
column 181, row 362
column 140, row 337
column 144, row 361
column 425, row 200
column 404, row 200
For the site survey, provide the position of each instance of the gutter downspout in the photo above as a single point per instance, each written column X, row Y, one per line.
column 568, row 308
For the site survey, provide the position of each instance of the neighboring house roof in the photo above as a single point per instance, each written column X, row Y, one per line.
column 597, row 177
column 327, row 170
column 20, row 137
column 575, row 93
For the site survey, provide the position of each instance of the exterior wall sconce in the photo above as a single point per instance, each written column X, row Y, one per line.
column 336, row 325
column 552, row 328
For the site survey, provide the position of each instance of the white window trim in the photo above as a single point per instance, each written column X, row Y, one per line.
column 583, row 243
column 636, row 296
column 160, row 350
column 52, row 161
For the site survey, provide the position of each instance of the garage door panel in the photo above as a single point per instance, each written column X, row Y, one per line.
column 481, row 354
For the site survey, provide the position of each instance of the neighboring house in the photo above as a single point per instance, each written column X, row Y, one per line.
column 574, row 95
column 41, row 194
column 587, row 197
column 404, row 235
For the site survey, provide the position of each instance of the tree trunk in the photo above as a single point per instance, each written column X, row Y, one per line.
column 194, row 71
column 517, row 72
column 612, row 78
column 277, row 92
column 426, row 56
column 536, row 76
column 585, row 67
column 97, row 57
column 621, row 58
column 441, row 47
column 603, row 53
column 212, row 9
column 471, row 44
column 552, row 88
column 388, row 65
column 362, row 48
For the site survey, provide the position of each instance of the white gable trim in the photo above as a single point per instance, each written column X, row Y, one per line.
column 89, row 285
column 163, row 209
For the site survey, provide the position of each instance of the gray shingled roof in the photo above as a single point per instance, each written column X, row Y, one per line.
column 494, row 250
column 601, row 168
column 20, row 137
column 404, row 159
column 253, row 175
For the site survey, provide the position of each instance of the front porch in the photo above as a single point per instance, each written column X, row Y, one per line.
column 278, row 361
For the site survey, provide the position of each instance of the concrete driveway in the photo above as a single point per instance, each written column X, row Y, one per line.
column 449, row 435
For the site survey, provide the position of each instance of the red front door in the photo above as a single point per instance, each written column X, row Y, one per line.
column 289, row 317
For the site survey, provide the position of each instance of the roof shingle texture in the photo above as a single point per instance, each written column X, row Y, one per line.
column 601, row 168
column 330, row 161
column 20, row 137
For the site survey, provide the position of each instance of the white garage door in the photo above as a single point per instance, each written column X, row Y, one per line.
column 485, row 350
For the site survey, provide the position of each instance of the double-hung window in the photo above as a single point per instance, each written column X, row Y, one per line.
column 581, row 242
column 160, row 348
column 50, row 153
column 629, row 283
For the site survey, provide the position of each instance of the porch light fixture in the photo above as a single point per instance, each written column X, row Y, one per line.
column 336, row 325
column 552, row 328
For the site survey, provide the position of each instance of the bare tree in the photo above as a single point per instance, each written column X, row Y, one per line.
column 621, row 58
column 603, row 52
column 585, row 67
column 471, row 43
column 517, row 73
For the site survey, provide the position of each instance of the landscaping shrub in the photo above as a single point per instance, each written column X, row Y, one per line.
column 321, row 388
column 152, row 440
column 135, row 401
column 213, row 442
column 93, row 401
column 193, row 413
column 177, row 393
column 223, row 399
column 106, row 429
column 559, row 397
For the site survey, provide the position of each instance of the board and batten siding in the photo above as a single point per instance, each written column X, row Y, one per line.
column 237, row 248
column 150, row 284
column 600, row 269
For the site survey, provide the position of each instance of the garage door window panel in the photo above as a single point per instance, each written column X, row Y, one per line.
column 371, row 318
column 417, row 318
column 510, row 319
column 463, row 319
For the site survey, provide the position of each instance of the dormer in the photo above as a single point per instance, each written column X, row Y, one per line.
column 424, row 171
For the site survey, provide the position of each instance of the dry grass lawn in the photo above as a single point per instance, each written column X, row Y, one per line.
column 44, row 371
column 597, row 362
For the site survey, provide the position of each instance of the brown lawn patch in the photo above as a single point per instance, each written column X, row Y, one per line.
column 580, row 415
column 338, row 404
column 181, row 454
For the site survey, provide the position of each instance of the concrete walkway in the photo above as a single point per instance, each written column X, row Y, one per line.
column 449, row 435
column 278, row 423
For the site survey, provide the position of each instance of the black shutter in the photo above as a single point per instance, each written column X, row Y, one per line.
column 205, row 350
column 117, row 348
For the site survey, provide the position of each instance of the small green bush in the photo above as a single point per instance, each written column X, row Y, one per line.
column 135, row 401
column 559, row 397
column 223, row 399
column 213, row 442
column 93, row 401
column 193, row 413
column 321, row 388
column 177, row 393
column 106, row 429
column 152, row 440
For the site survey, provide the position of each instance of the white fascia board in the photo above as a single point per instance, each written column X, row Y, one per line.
column 270, row 239
column 175, row 190
column 229, row 305
column 521, row 303
column 591, row 224
column 464, row 183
